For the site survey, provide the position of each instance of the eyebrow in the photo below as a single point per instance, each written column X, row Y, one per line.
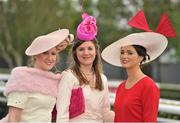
column 86, row 47
column 126, row 50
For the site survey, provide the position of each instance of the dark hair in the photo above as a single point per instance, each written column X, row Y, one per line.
column 141, row 51
column 97, row 65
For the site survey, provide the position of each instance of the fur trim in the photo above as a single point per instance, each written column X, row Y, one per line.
column 26, row 79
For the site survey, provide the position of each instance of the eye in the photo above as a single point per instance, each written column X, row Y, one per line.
column 53, row 53
column 61, row 45
column 122, row 52
column 81, row 49
column 45, row 53
column 130, row 53
column 90, row 48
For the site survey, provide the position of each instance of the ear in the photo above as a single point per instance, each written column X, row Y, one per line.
column 140, row 58
column 34, row 58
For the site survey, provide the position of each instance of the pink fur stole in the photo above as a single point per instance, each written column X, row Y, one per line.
column 26, row 79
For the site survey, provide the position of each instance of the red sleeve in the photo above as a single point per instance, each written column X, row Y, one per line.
column 150, row 101
column 116, row 103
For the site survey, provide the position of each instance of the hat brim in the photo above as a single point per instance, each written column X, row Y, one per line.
column 154, row 43
column 46, row 42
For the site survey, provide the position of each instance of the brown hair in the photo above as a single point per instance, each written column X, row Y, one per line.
column 141, row 51
column 97, row 65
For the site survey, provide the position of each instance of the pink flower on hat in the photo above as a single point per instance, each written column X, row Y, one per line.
column 87, row 29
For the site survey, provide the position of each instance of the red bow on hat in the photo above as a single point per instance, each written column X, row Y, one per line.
column 164, row 27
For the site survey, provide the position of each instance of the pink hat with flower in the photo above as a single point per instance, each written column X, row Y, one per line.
column 87, row 29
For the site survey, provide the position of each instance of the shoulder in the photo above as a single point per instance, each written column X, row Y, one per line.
column 122, row 83
column 18, row 94
column 19, row 69
column 68, row 75
column 103, row 77
column 18, row 73
column 149, row 84
column 147, row 81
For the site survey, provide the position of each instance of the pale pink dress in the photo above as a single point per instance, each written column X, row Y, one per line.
column 97, row 105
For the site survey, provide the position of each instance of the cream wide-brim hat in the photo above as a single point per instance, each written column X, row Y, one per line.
column 45, row 42
column 154, row 43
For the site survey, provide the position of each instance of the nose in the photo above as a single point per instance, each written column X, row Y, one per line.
column 86, row 52
column 124, row 55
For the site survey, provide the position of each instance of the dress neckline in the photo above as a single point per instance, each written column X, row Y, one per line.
column 134, row 84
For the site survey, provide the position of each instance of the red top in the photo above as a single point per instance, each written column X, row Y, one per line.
column 137, row 104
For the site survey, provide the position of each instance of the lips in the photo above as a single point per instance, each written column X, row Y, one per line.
column 49, row 63
column 124, row 61
column 86, row 57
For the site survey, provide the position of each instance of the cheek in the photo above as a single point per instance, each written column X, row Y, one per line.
column 94, row 53
column 57, row 58
column 38, row 59
column 78, row 56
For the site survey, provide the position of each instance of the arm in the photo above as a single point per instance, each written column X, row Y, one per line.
column 64, row 95
column 14, row 114
column 150, row 100
column 16, row 102
column 108, row 115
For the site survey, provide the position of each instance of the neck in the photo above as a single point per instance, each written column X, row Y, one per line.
column 37, row 67
column 86, row 69
column 134, row 74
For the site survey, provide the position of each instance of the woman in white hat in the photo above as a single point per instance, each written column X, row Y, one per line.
column 137, row 98
column 86, row 78
column 31, row 91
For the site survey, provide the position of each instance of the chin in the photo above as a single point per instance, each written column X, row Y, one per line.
column 125, row 66
column 88, row 63
column 48, row 68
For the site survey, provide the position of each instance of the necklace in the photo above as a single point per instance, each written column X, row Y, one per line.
column 92, row 82
column 91, row 78
column 90, row 73
column 87, row 73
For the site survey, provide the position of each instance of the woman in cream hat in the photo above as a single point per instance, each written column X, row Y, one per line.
column 137, row 98
column 31, row 91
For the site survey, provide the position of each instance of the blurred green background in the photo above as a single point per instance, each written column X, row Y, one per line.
column 23, row 20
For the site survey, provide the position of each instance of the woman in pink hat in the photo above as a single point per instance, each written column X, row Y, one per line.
column 137, row 98
column 31, row 91
column 86, row 78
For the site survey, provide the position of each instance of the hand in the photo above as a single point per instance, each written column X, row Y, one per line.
column 65, row 43
column 62, row 45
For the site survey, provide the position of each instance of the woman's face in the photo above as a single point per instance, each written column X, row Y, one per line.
column 129, row 57
column 86, row 53
column 46, row 60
